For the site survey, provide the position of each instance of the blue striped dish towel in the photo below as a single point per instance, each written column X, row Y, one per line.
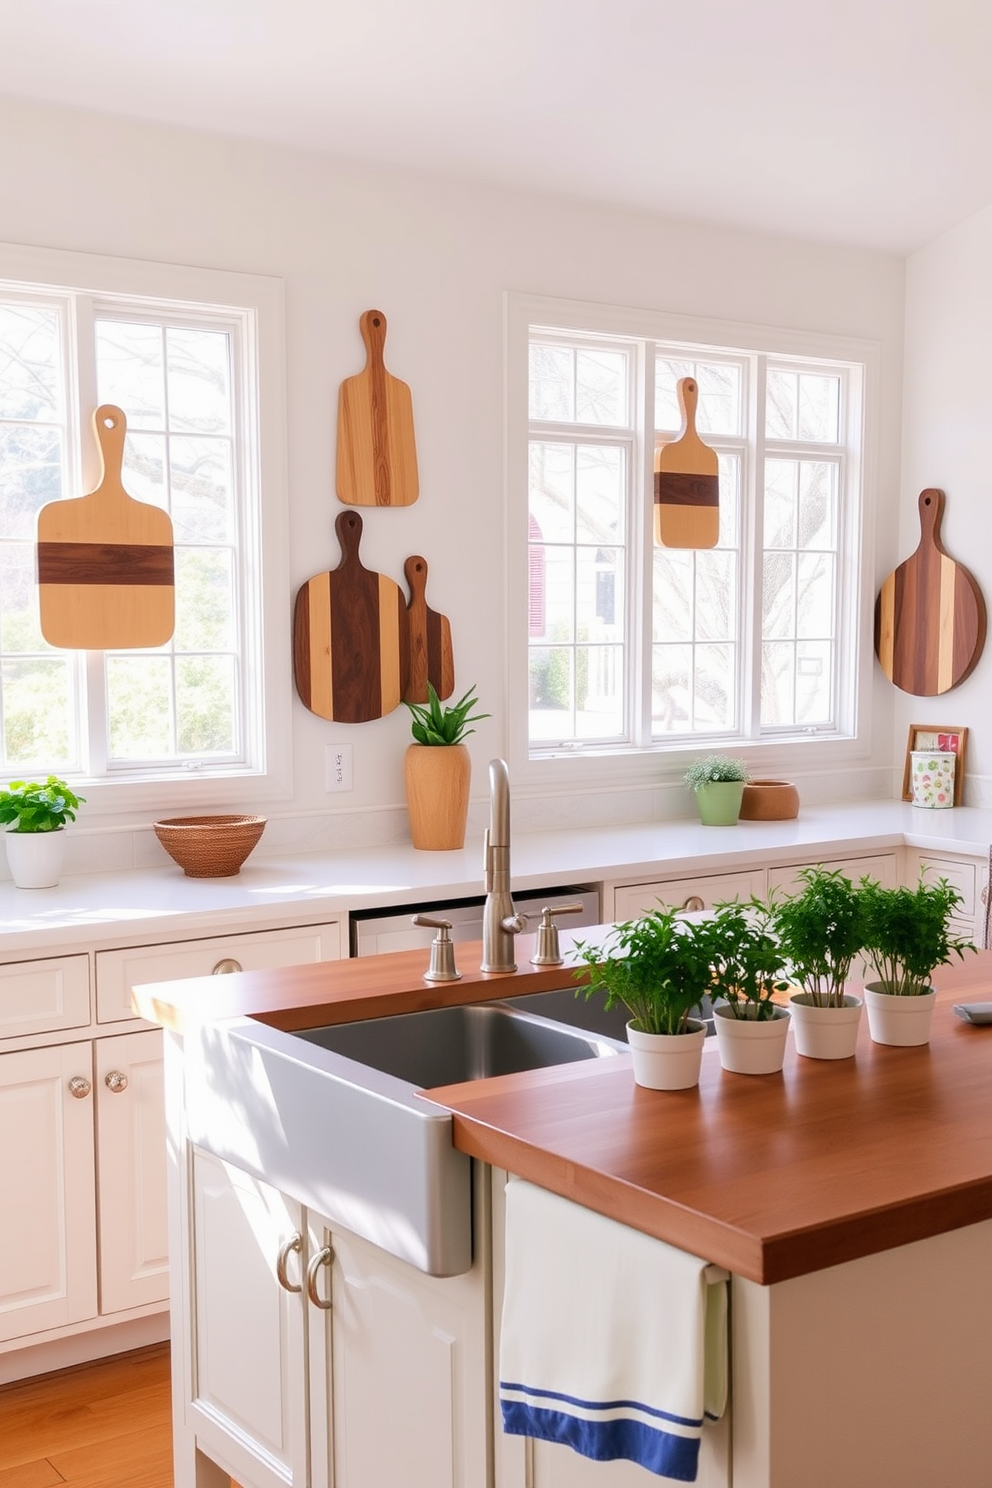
column 613, row 1343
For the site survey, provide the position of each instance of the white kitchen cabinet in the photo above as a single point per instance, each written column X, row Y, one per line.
column 968, row 875
column 48, row 1234
column 319, row 1360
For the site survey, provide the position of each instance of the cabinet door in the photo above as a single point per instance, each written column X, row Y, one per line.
column 249, row 1382
column 963, row 874
column 408, row 1361
column 130, row 1115
column 48, row 1229
column 687, row 893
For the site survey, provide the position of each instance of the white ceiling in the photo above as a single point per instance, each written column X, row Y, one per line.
column 860, row 121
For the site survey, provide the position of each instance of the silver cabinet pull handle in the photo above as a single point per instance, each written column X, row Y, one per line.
column 116, row 1081
column 322, row 1258
column 79, row 1087
column 292, row 1246
column 225, row 965
column 693, row 903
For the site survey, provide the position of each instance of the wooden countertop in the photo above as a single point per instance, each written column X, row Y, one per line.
column 771, row 1176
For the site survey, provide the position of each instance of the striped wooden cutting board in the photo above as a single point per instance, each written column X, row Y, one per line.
column 930, row 618
column 105, row 561
column 350, row 646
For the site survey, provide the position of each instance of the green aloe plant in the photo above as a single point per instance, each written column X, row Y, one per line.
column 435, row 724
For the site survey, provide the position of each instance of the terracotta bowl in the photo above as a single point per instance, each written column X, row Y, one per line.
column 769, row 800
column 209, row 846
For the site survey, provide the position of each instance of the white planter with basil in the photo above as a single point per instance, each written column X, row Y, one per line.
column 667, row 1061
column 35, row 859
column 825, row 1032
column 35, row 816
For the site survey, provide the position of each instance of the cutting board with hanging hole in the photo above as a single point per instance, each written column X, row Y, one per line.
column 377, row 450
column 350, row 646
column 431, row 656
column 106, row 571
column 930, row 617
column 687, row 482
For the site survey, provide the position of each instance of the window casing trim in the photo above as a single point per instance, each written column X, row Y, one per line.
column 662, row 762
column 258, row 302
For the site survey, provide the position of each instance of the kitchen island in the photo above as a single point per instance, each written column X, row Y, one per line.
column 851, row 1201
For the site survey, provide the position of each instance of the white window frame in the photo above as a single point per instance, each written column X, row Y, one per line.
column 258, row 303
column 662, row 762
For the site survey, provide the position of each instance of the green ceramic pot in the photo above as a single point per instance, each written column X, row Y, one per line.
column 719, row 802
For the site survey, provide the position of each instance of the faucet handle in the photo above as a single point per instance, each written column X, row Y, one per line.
column 442, row 966
column 548, row 951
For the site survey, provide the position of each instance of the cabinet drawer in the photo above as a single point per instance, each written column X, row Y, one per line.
column 118, row 971
column 638, row 899
column 881, row 867
column 44, row 996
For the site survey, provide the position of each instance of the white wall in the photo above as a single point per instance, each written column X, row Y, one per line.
column 436, row 257
column 947, row 422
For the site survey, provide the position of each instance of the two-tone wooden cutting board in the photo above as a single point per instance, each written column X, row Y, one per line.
column 431, row 656
column 687, row 482
column 377, row 450
column 105, row 561
column 930, row 617
column 350, row 646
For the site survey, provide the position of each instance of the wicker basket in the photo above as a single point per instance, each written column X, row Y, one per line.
column 209, row 846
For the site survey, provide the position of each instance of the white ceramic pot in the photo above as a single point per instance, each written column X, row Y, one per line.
column 667, row 1061
column 35, row 858
column 749, row 1046
column 904, row 1021
column 825, row 1032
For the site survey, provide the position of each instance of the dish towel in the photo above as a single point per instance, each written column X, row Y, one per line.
column 613, row 1343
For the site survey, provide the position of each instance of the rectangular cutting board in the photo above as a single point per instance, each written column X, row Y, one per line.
column 377, row 450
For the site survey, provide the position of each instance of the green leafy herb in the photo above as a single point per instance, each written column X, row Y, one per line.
column 658, row 967
column 746, row 958
column 907, row 933
column 38, row 808
column 820, row 930
column 435, row 724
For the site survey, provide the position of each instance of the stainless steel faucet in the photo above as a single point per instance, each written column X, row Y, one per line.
column 500, row 922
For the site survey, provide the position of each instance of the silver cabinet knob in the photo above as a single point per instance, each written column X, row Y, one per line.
column 322, row 1258
column 292, row 1246
column 226, row 965
column 79, row 1087
column 115, row 1081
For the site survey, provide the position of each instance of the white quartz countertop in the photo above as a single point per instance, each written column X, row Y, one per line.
column 162, row 903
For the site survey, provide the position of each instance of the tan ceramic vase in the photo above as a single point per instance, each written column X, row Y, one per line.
column 437, row 779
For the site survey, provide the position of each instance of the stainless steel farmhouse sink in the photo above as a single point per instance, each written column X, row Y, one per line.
column 334, row 1116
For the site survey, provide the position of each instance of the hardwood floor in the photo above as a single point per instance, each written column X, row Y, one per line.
column 102, row 1425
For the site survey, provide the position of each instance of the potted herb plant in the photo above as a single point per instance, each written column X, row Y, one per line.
column 658, row 967
column 820, row 930
column 35, row 816
column 907, row 933
column 437, row 771
column 718, row 785
column 747, row 962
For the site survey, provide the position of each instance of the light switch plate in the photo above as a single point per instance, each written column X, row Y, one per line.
column 337, row 767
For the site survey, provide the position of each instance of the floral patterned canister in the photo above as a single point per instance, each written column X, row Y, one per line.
column 932, row 775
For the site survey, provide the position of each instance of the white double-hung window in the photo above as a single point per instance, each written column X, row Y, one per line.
column 631, row 647
column 179, row 351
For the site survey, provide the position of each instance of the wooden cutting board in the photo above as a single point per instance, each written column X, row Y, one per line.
column 687, row 482
column 377, row 452
column 930, row 618
column 431, row 656
column 106, row 573
column 350, row 647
